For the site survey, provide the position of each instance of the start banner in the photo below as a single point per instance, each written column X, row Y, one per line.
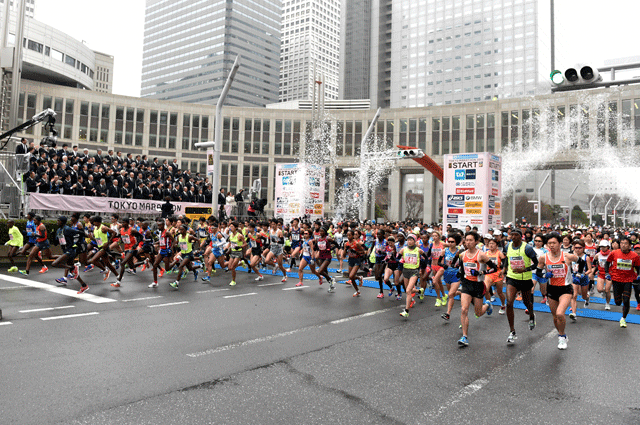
column 41, row 201
column 299, row 191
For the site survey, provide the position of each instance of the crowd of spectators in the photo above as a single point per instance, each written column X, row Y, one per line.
column 115, row 175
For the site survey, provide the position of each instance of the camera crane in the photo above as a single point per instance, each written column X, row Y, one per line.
column 49, row 115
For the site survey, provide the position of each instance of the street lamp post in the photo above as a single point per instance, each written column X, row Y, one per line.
column 605, row 210
column 593, row 198
column 614, row 212
column 539, row 199
column 571, row 203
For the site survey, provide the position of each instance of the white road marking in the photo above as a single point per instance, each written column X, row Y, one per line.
column 371, row 313
column 250, row 342
column 62, row 291
column 213, row 290
column 69, row 316
column 13, row 287
column 272, row 284
column 240, row 295
column 46, row 309
column 5, row 323
column 141, row 299
column 168, row 304
column 295, row 287
column 496, row 373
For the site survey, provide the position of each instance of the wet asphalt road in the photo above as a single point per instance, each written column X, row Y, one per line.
column 271, row 354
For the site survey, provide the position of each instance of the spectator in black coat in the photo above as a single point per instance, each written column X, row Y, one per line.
column 115, row 190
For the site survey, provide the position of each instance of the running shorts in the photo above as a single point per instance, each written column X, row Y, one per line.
column 520, row 285
column 276, row 249
column 450, row 276
column 409, row 273
column 475, row 289
column 555, row 292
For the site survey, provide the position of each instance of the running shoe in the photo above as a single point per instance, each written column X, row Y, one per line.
column 404, row 313
column 284, row 279
column 421, row 294
column 391, row 292
column 83, row 290
column 175, row 284
column 116, row 264
column 412, row 303
column 586, row 302
column 259, row 278
column 44, row 269
column 526, row 311
column 24, row 272
column 464, row 341
column 572, row 316
column 519, row 297
column 88, row 268
column 299, row 284
column 206, row 278
column 184, row 274
column 243, row 264
column 623, row 322
column 356, row 294
column 562, row 342
column 339, row 271
column 532, row 323
column 489, row 308
column 445, row 316
column 638, row 307
column 153, row 285
column 493, row 298
column 107, row 273
column 12, row 269
column 289, row 270
column 512, row 338
column 543, row 300
column 399, row 298
column 195, row 275
column 361, row 281
column 607, row 306
column 502, row 310
column 62, row 281
column 40, row 255
column 331, row 287
column 320, row 280
column 444, row 299
column 116, row 284
column 380, row 295
column 232, row 283
column 161, row 272
column 75, row 272
column 144, row 267
column 438, row 302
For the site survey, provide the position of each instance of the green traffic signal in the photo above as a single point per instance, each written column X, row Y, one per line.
column 556, row 77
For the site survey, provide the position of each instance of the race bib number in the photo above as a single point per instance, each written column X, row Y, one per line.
column 602, row 262
column 163, row 243
column 183, row 246
column 624, row 265
column 516, row 262
column 558, row 270
column 295, row 237
column 468, row 267
column 126, row 239
column 575, row 267
column 253, row 243
column 62, row 240
column 411, row 259
column 322, row 245
column 11, row 236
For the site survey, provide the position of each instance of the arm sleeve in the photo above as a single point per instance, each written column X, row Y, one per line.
column 531, row 253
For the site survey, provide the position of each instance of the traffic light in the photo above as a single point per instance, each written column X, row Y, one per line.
column 575, row 77
column 409, row 153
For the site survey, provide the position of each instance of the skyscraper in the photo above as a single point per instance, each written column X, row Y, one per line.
column 190, row 46
column 310, row 39
column 439, row 52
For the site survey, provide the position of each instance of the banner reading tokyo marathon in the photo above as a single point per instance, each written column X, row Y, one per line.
column 41, row 201
column 299, row 191
column 472, row 191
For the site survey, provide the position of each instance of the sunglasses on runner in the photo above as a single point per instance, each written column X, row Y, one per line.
column 451, row 241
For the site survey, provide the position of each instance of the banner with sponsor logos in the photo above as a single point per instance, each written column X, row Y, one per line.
column 299, row 191
column 41, row 201
column 472, row 191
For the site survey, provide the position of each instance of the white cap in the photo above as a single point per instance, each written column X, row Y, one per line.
column 488, row 236
column 604, row 242
column 497, row 232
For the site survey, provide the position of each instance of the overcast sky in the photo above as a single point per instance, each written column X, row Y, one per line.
column 592, row 32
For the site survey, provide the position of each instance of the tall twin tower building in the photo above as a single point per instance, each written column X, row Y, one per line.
column 398, row 53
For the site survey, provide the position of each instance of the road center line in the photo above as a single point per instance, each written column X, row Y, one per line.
column 213, row 290
column 46, row 309
column 272, row 284
column 5, row 323
column 359, row 316
column 69, row 316
column 141, row 299
column 62, row 291
column 168, row 304
column 240, row 295
column 295, row 287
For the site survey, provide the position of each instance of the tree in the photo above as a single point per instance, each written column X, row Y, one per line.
column 414, row 205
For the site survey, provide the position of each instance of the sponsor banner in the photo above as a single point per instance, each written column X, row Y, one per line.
column 455, row 198
column 210, row 161
column 455, row 204
column 462, row 191
column 299, row 191
column 41, row 201
column 452, row 217
column 455, row 210
column 477, row 176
